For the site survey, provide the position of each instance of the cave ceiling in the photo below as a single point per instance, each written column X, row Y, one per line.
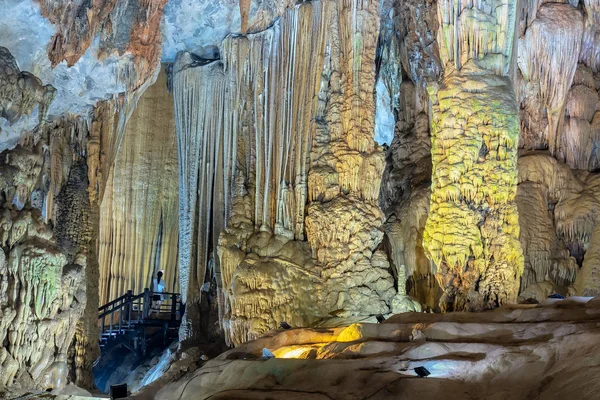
column 95, row 50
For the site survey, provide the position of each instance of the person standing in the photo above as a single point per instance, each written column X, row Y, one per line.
column 158, row 287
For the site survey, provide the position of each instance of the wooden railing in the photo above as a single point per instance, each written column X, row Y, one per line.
column 123, row 313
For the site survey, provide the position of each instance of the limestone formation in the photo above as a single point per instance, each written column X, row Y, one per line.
column 206, row 153
column 277, row 140
column 49, row 229
column 21, row 92
column 46, row 271
column 139, row 205
column 247, row 168
column 406, row 181
column 42, row 270
column 472, row 229
column 548, row 49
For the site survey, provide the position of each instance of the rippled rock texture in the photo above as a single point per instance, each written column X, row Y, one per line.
column 44, row 239
column 517, row 353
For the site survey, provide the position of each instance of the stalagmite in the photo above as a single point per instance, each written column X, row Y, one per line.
column 344, row 221
column 472, row 230
column 588, row 278
column 406, row 181
column 297, row 164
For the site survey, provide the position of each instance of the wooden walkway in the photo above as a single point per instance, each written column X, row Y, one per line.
column 127, row 320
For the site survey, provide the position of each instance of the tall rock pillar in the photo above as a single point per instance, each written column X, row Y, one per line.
column 472, row 232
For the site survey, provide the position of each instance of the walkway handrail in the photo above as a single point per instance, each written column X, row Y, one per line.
column 125, row 304
column 134, row 297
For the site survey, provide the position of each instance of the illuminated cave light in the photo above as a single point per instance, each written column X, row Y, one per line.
column 297, row 352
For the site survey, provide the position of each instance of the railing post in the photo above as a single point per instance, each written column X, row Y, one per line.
column 120, row 316
column 143, row 339
column 173, row 307
column 165, row 330
column 128, row 307
column 139, row 309
column 111, row 321
column 147, row 303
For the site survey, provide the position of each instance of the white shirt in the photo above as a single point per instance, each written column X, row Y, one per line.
column 158, row 287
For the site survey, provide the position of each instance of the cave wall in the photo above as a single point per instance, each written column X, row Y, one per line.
column 456, row 217
column 558, row 93
column 45, row 238
column 59, row 143
column 124, row 27
column 52, row 182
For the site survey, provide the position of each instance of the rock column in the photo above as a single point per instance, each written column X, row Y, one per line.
column 472, row 232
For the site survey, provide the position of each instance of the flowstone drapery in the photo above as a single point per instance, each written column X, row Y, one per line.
column 205, row 170
column 138, row 224
column 472, row 230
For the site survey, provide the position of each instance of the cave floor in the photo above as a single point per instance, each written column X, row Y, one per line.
column 549, row 351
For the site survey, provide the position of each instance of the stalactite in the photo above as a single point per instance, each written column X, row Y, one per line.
column 478, row 32
column 590, row 43
column 124, row 27
column 205, row 173
column 21, row 92
column 273, row 90
column 548, row 54
column 344, row 221
column 244, row 11
column 280, row 93
column 581, row 134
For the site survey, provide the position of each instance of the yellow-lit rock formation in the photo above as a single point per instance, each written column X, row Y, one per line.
column 472, row 230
